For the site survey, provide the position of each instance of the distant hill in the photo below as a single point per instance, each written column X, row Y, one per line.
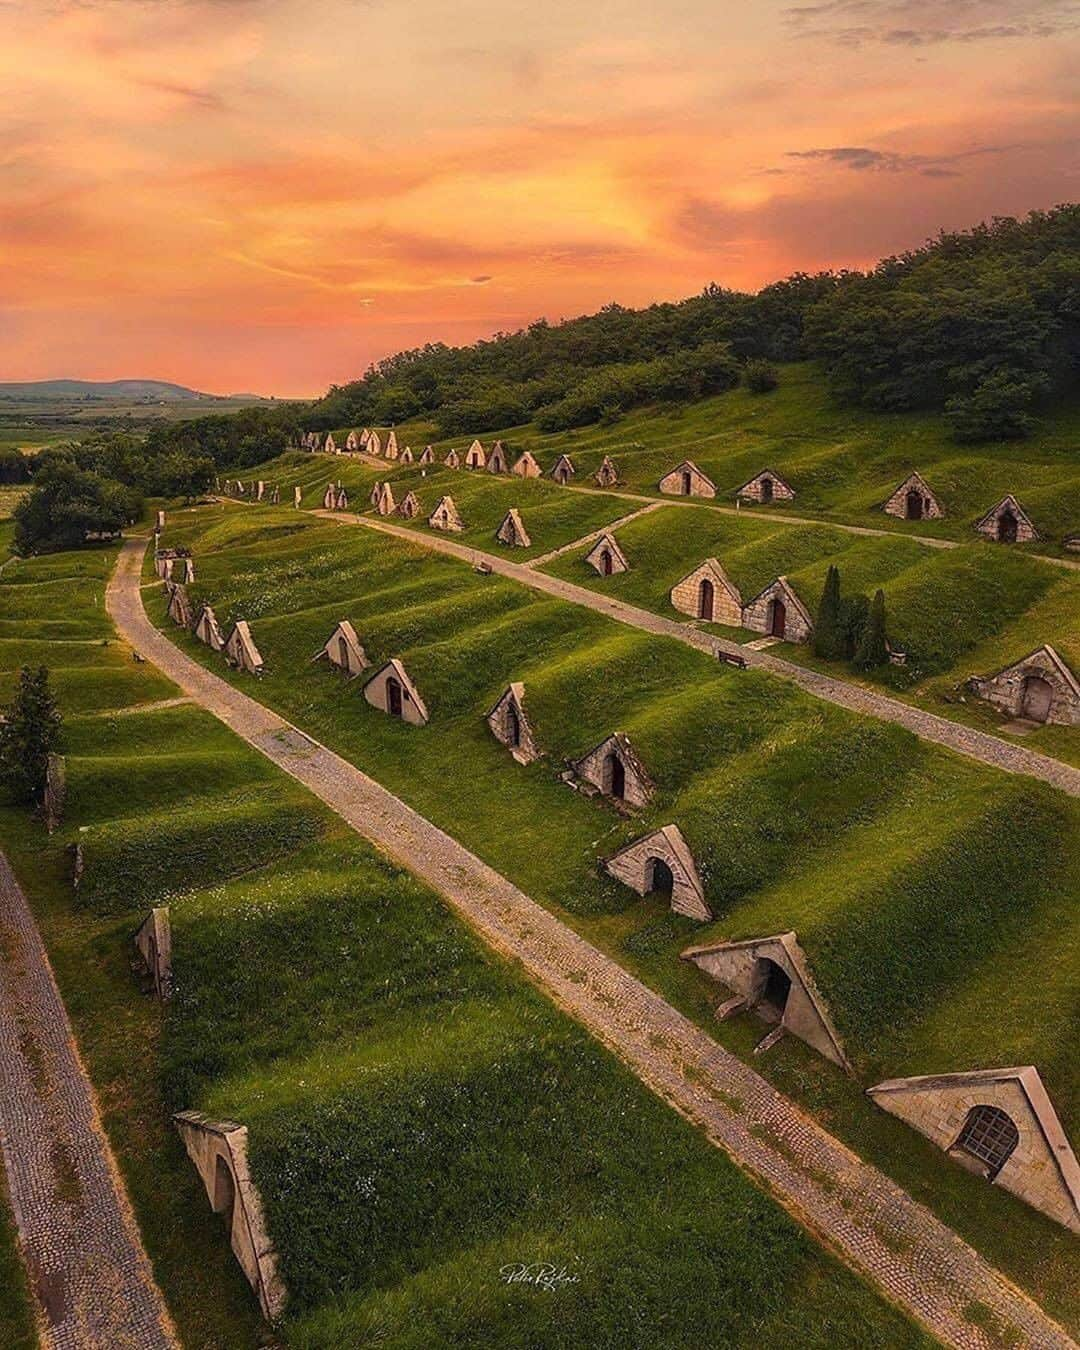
column 151, row 391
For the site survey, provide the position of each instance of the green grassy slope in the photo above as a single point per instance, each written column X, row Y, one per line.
column 787, row 803
column 842, row 462
column 420, row 1117
column 17, row 1330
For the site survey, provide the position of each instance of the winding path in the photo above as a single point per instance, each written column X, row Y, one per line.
column 916, row 1260
column 979, row 745
column 88, row 1272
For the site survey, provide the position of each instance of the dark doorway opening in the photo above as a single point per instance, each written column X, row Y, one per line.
column 659, row 877
column 614, row 776
column 393, row 697
column 777, row 617
column 1006, row 531
column 766, row 489
column 705, row 599
column 914, row 509
column 606, row 563
column 1037, row 697
column 343, row 653
column 513, row 725
column 774, row 986
column 687, row 482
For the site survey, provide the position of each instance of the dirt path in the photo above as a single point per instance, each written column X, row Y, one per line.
column 88, row 1270
column 594, row 534
column 857, row 1211
column 977, row 745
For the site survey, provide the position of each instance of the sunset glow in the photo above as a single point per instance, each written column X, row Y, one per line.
column 266, row 195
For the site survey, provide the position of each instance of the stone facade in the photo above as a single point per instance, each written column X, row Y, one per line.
column 687, row 480
column 708, row 593
column 373, row 495
column 218, row 1148
column 1040, row 688
column 344, row 650
column 564, row 470
column 391, row 451
column 374, row 444
column 913, row 500
column 297, row 497
column 1027, row 1152
column 392, row 692
column 766, row 486
column 329, row 498
column 497, row 459
column 606, row 557
column 153, row 952
column 406, row 456
column 614, row 769
column 474, row 456
column 512, row 532
column 385, row 506
column 606, row 475
column 342, row 502
column 446, row 517
column 240, row 649
column 330, row 445
column 409, row 507
column 790, row 999
column 510, row 725
column 526, row 466
column 352, row 441
column 208, row 630
column 657, row 861
column 778, row 611
column 452, row 460
column 427, row 455
column 1007, row 523
column 180, row 610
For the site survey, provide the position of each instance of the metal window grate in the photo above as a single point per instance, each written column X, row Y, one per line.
column 989, row 1135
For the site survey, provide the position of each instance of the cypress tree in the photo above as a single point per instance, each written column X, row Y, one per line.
column 872, row 649
column 30, row 731
column 828, row 633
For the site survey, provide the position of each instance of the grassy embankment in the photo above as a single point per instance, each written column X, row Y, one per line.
column 924, row 888
column 419, row 1115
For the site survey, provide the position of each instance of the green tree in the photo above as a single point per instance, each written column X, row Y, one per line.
column 873, row 649
column 761, row 376
column 67, row 505
column 29, row 732
column 828, row 640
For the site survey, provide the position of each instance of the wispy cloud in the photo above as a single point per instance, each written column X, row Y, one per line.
column 927, row 23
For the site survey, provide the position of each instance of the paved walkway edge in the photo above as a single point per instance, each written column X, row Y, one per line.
column 859, row 1213
column 88, row 1272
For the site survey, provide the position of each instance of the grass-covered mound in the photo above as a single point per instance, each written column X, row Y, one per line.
column 796, row 811
column 419, row 1115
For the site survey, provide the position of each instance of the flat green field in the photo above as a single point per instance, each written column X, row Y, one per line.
column 420, row 1117
column 924, row 889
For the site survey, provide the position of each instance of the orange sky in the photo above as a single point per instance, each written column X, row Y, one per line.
column 268, row 194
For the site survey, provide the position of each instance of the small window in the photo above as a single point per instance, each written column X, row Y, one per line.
column 989, row 1135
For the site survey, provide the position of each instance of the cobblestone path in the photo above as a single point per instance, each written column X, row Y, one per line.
column 88, row 1271
column 929, row 726
column 857, row 1211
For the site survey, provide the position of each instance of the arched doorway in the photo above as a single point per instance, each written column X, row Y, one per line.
column 614, row 776
column 773, row 985
column 766, row 489
column 224, row 1191
column 687, row 482
column 914, row 506
column 659, row 877
column 777, row 617
column 513, row 725
column 606, row 563
column 1006, row 527
column 343, row 653
column 989, row 1135
column 1037, row 697
column 393, row 697
column 706, row 595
